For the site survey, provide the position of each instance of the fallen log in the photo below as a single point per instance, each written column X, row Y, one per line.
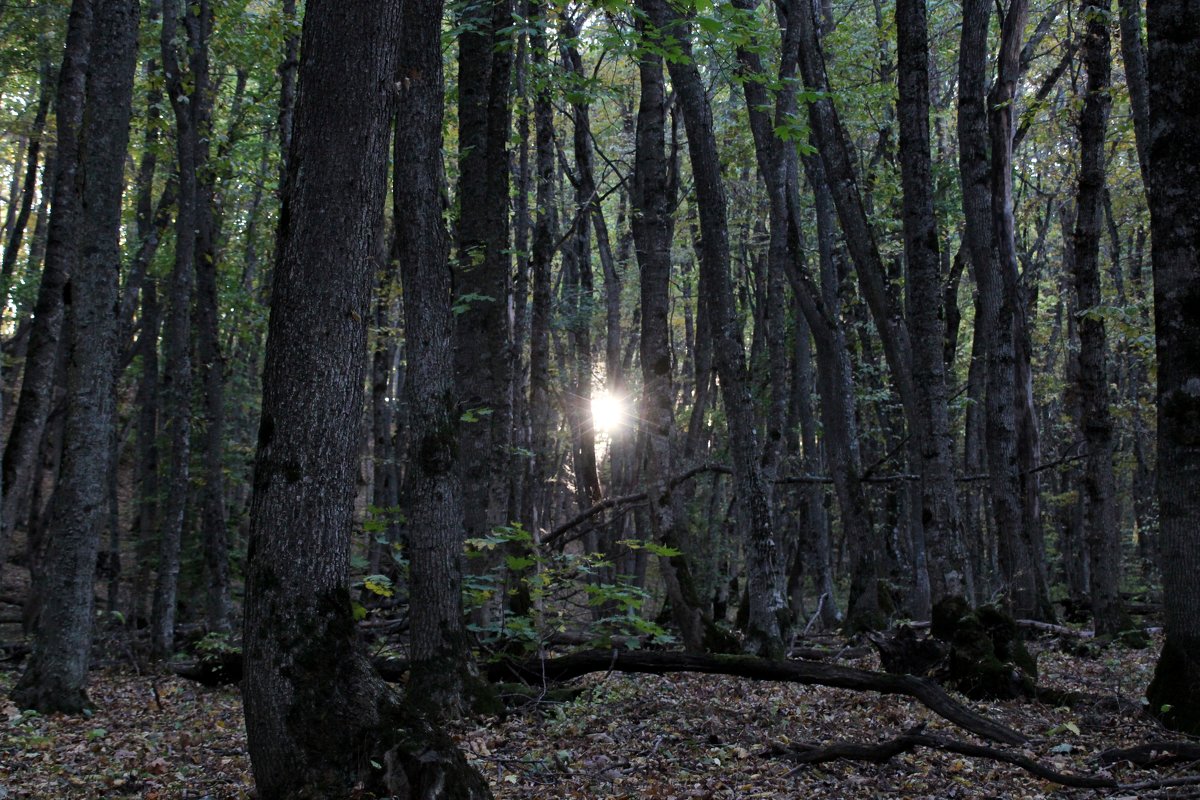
column 803, row 672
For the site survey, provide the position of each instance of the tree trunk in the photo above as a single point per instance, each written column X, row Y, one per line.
column 483, row 372
column 62, row 250
column 1099, row 483
column 320, row 722
column 768, row 620
column 210, row 363
column 177, row 372
column 56, row 677
column 540, row 264
column 1174, row 60
column 441, row 655
column 1009, row 399
column 1133, row 54
column 652, row 232
column 926, row 322
column 13, row 246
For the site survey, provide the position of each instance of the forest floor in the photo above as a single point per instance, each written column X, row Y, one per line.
column 626, row 736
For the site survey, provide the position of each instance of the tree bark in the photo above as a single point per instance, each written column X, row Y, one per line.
column 1009, row 396
column 483, row 372
column 56, row 677
column 947, row 566
column 62, row 250
column 1174, row 60
column 1099, row 482
column 768, row 617
column 320, row 722
column 177, row 329
column 442, row 663
column 652, row 232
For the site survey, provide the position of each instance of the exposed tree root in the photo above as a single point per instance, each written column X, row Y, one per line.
column 907, row 742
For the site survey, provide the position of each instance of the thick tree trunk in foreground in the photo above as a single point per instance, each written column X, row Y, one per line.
column 1174, row 50
column 56, row 676
column 320, row 722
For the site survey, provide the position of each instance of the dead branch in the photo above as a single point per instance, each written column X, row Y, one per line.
column 907, row 742
column 1153, row 754
column 803, row 672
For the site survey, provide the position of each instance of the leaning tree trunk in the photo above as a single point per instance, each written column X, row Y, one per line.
column 1174, row 50
column 320, row 722
column 652, row 231
column 56, row 676
column 768, row 602
column 1099, row 482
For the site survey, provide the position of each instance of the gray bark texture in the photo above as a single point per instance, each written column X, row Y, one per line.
column 925, row 312
column 441, row 653
column 62, row 250
column 56, row 677
column 318, row 717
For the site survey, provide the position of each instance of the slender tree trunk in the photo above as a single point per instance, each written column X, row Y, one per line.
column 147, row 464
column 55, row 678
column 541, row 259
column 925, row 314
column 13, row 246
column 177, row 373
column 441, row 654
column 1174, row 61
column 210, row 363
column 768, row 617
column 320, row 722
column 1099, row 483
column 1009, row 399
column 652, row 232
column 62, row 250
column 482, row 276
column 1133, row 54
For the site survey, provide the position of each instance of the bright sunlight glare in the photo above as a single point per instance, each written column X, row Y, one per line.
column 608, row 412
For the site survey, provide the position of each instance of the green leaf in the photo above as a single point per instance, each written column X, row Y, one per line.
column 379, row 584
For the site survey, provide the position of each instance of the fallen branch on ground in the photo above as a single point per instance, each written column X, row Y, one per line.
column 907, row 742
column 803, row 672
